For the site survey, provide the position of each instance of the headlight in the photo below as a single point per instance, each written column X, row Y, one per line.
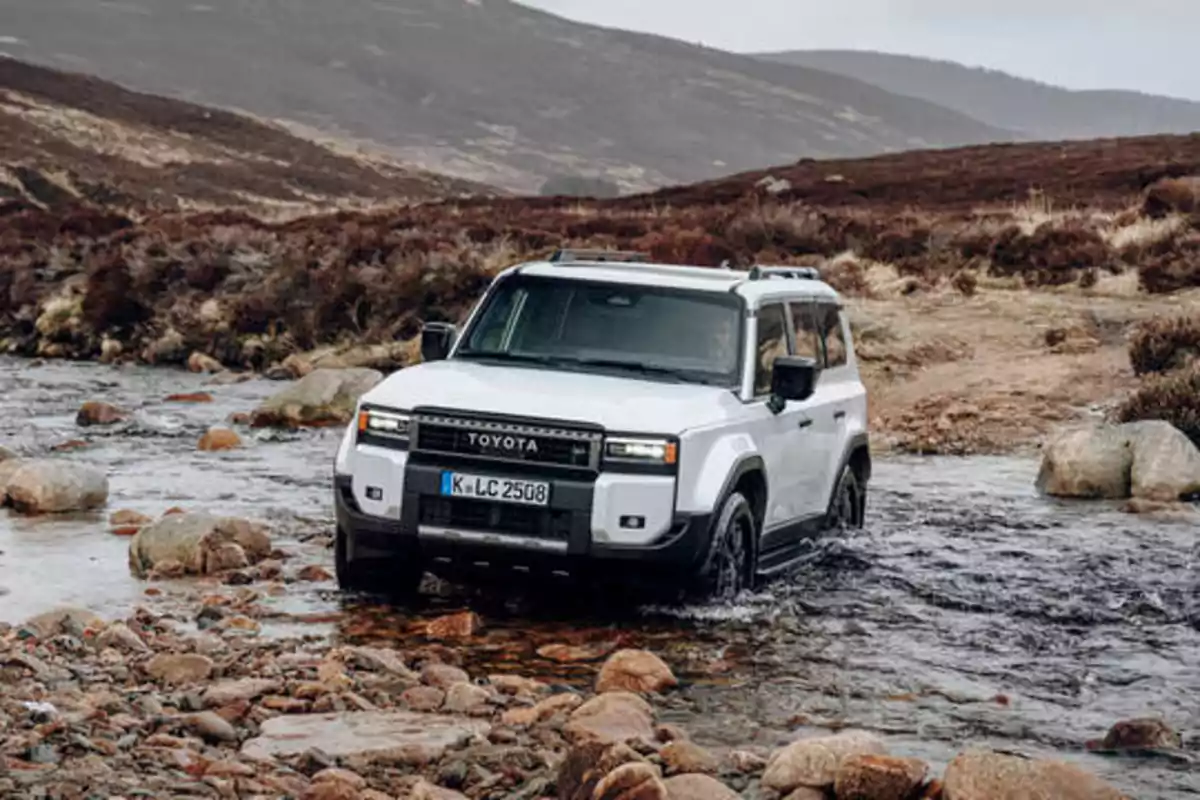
column 663, row 452
column 383, row 428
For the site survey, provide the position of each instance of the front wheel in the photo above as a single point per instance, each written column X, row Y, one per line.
column 848, row 504
column 381, row 576
column 728, row 567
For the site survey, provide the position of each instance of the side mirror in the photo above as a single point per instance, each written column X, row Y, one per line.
column 437, row 339
column 793, row 378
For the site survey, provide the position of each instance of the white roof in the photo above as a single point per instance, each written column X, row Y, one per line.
column 711, row 279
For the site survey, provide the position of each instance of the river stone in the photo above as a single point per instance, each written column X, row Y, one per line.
column 876, row 777
column 698, row 787
column 637, row 780
column 53, row 486
column 202, row 543
column 6, row 454
column 67, row 619
column 1088, row 463
column 634, row 671
column 323, row 397
column 814, row 761
column 984, row 775
column 615, row 717
column 382, row 734
column 1166, row 465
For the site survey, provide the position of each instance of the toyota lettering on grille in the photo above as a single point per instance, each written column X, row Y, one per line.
column 505, row 443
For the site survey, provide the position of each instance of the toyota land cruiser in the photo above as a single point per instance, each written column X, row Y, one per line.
column 695, row 426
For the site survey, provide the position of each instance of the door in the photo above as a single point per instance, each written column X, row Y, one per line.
column 841, row 390
column 817, row 417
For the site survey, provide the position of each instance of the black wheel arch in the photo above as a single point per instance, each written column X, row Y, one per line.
column 749, row 471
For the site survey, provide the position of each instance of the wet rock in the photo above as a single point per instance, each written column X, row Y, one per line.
column 119, row 637
column 814, row 762
column 681, row 757
column 1166, row 465
column 189, row 397
column 199, row 362
column 1151, row 460
column 211, row 727
column 323, row 397
column 6, row 454
column 219, row 439
column 467, row 698
column 443, row 676
column 698, row 787
column 202, row 543
column 97, row 413
column 110, row 350
column 637, row 780
column 313, row 573
column 1145, row 733
column 73, row 621
column 423, row 698
column 424, row 790
column 169, row 348
column 747, row 763
column 126, row 522
column 231, row 691
column 515, row 685
column 615, row 717
column 635, row 671
column 985, row 775
column 874, row 777
column 570, row 654
column 454, row 626
column 178, row 669
column 1087, row 463
column 585, row 765
column 525, row 717
column 386, row 734
column 53, row 486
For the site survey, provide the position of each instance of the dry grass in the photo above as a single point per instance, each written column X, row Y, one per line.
column 1173, row 396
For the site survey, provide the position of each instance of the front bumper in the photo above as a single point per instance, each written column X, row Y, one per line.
column 567, row 544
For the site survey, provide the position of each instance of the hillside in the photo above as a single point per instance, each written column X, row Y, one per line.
column 1038, row 110
column 66, row 138
column 493, row 91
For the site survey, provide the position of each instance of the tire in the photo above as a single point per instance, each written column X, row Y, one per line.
column 393, row 577
column 728, row 567
column 848, row 503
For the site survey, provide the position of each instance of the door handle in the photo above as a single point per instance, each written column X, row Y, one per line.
column 805, row 423
column 839, row 415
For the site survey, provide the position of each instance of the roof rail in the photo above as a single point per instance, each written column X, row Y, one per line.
column 759, row 272
column 563, row 256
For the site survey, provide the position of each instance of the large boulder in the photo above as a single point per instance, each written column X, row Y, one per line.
column 53, row 486
column 322, row 397
column 203, row 544
column 814, row 762
column 1150, row 460
column 984, row 775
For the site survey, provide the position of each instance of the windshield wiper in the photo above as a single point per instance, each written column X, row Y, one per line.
column 524, row 358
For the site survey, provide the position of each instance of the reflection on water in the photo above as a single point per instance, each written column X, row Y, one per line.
column 969, row 610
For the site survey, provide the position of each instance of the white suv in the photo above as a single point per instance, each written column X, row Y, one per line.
column 693, row 426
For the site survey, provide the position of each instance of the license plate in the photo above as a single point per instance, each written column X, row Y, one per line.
column 501, row 490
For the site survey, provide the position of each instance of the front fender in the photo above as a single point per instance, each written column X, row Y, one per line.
column 710, row 467
column 341, row 462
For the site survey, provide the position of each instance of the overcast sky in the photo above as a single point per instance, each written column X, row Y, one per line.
column 1150, row 45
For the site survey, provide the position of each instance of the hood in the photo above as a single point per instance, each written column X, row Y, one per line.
column 617, row 403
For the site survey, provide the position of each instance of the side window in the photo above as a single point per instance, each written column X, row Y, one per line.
column 831, row 333
column 808, row 342
column 772, row 343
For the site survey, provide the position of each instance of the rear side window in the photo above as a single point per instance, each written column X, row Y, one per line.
column 830, row 320
column 772, row 343
column 808, row 340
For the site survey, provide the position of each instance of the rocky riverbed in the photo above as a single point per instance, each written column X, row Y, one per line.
column 969, row 614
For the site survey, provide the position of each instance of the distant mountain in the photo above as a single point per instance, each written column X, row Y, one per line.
column 1038, row 110
column 486, row 89
column 66, row 137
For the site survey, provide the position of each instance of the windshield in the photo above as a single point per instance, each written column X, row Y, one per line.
column 658, row 332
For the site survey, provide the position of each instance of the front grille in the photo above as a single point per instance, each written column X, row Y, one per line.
column 508, row 442
column 488, row 517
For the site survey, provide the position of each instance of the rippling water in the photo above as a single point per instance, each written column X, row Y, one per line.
column 969, row 611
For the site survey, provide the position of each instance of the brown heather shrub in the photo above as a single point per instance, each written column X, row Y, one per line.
column 1055, row 254
column 1172, row 270
column 1162, row 344
column 109, row 301
column 846, row 274
column 1172, row 196
column 965, row 282
column 1172, row 396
